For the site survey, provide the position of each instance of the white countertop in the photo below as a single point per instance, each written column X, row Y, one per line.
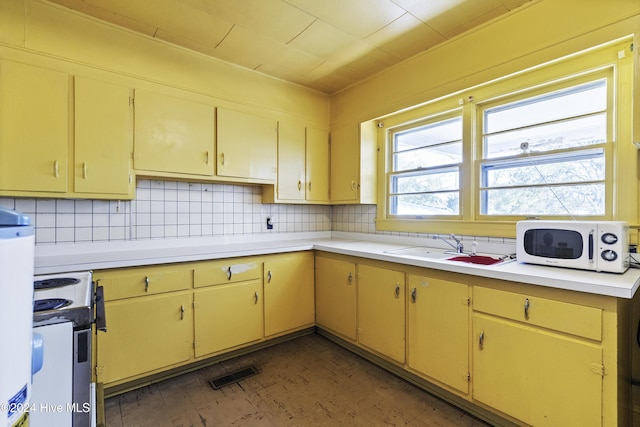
column 51, row 259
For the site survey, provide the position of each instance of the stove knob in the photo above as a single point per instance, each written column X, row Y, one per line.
column 609, row 255
column 609, row 238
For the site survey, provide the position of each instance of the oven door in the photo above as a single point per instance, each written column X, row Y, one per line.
column 52, row 388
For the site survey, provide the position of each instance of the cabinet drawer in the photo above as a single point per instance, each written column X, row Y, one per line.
column 560, row 316
column 226, row 271
column 135, row 282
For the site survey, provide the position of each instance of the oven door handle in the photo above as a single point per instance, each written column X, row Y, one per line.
column 101, row 319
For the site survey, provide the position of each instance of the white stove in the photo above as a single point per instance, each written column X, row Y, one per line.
column 63, row 314
column 64, row 297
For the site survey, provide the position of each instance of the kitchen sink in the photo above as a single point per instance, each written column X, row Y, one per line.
column 476, row 259
column 431, row 253
column 420, row 252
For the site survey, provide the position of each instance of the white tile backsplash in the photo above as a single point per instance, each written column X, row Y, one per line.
column 170, row 209
column 165, row 210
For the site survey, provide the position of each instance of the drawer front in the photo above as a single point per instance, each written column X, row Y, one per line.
column 565, row 317
column 226, row 271
column 127, row 283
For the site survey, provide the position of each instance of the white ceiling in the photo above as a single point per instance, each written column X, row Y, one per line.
column 327, row 45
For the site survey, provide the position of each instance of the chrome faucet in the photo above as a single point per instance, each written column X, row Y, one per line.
column 459, row 247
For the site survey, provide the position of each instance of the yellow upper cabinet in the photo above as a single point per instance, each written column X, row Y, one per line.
column 103, row 142
column 173, row 135
column 246, row 146
column 34, row 129
column 291, row 162
column 317, row 165
column 303, row 165
column 353, row 164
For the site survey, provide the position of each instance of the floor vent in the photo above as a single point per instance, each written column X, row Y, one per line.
column 233, row 377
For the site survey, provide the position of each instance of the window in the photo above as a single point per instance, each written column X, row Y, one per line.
column 425, row 176
column 545, row 154
column 549, row 142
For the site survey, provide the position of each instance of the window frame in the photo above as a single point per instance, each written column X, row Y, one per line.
column 395, row 130
column 620, row 154
column 608, row 146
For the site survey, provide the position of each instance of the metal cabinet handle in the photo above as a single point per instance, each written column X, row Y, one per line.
column 256, row 297
column 309, row 186
column 414, row 295
column 84, row 170
column 299, row 185
column 350, row 278
column 182, row 312
column 526, row 308
column 229, row 273
column 56, row 169
column 146, row 283
column 269, row 276
column 101, row 319
column 397, row 293
column 206, row 157
column 481, row 340
column 222, row 159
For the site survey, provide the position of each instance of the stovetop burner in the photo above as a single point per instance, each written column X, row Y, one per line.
column 55, row 282
column 50, row 304
column 71, row 301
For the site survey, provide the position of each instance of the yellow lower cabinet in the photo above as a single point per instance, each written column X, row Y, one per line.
column 143, row 335
column 381, row 314
column 438, row 330
column 336, row 296
column 227, row 316
column 536, row 376
column 288, row 292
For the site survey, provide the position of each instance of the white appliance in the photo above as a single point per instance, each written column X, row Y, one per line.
column 17, row 241
column 586, row 245
column 63, row 314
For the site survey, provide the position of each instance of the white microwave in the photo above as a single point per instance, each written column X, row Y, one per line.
column 585, row 245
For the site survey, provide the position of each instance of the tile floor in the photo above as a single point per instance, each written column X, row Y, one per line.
column 309, row 381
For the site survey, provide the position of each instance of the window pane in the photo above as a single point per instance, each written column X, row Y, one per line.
column 565, row 200
column 425, row 182
column 447, row 203
column 570, row 169
column 439, row 155
column 432, row 134
column 567, row 134
column 571, row 102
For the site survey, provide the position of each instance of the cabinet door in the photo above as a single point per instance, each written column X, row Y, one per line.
column 144, row 334
column 291, row 161
column 102, row 138
column 438, row 330
column 246, row 146
column 288, row 293
column 34, row 128
column 173, row 134
column 317, row 165
column 336, row 296
column 227, row 316
column 345, row 158
column 381, row 311
column 536, row 376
